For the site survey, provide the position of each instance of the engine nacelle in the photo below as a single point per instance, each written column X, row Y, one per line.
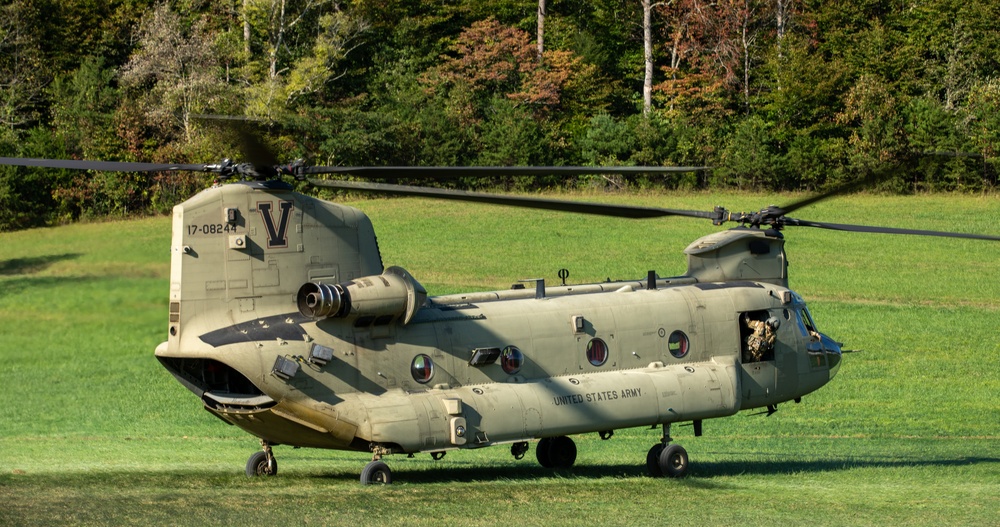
column 393, row 293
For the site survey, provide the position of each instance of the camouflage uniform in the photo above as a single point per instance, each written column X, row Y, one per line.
column 761, row 340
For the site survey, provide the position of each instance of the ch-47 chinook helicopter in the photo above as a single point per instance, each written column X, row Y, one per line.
column 284, row 321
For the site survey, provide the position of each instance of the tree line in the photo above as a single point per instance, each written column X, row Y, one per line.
column 774, row 95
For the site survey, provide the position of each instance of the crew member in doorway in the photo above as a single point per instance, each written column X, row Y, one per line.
column 761, row 339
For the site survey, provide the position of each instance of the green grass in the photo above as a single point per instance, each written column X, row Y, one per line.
column 94, row 432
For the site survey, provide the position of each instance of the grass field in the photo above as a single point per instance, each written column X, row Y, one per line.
column 94, row 432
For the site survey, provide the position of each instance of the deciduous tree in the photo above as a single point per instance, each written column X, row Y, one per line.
column 300, row 44
column 22, row 75
column 175, row 73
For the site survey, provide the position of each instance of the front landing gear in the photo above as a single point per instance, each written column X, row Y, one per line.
column 262, row 463
column 665, row 459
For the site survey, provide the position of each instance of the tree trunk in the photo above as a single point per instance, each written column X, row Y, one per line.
column 541, row 29
column 647, row 49
column 782, row 13
column 746, row 61
column 246, row 29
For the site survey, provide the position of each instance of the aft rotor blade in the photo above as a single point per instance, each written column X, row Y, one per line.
column 109, row 166
column 255, row 150
column 873, row 178
column 392, row 172
column 886, row 230
column 601, row 209
column 260, row 161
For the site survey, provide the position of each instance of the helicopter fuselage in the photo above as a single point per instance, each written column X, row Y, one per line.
column 285, row 323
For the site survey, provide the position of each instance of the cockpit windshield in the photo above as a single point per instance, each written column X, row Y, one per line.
column 808, row 320
column 804, row 318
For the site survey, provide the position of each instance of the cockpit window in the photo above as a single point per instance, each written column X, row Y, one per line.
column 805, row 322
column 810, row 325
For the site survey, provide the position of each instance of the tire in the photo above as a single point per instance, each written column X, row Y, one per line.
column 542, row 452
column 562, row 452
column 257, row 465
column 376, row 473
column 653, row 460
column 674, row 461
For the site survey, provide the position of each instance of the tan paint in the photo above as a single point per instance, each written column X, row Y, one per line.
column 235, row 297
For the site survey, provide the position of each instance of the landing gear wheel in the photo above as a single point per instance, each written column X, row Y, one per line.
column 259, row 465
column 556, row 452
column 673, row 461
column 562, row 452
column 376, row 473
column 653, row 460
column 542, row 452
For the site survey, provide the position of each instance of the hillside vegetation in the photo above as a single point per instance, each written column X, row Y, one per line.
column 774, row 95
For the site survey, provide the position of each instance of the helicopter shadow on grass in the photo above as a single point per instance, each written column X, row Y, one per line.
column 33, row 265
column 470, row 472
column 702, row 474
column 16, row 274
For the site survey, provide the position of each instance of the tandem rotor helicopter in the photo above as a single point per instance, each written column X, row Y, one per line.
column 285, row 322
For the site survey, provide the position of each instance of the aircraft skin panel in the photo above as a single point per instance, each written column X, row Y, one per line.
column 494, row 413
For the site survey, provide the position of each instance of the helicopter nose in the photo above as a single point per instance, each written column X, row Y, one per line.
column 833, row 353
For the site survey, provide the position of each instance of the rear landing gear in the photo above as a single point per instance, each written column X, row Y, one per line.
column 262, row 463
column 376, row 473
column 556, row 452
column 664, row 459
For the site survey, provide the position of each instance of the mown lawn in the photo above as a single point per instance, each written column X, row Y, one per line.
column 94, row 432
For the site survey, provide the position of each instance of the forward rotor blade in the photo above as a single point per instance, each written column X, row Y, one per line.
column 392, row 172
column 601, row 209
column 109, row 166
column 885, row 230
column 837, row 190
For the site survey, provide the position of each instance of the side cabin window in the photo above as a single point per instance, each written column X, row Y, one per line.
column 758, row 330
column 422, row 369
column 678, row 344
column 511, row 360
column 597, row 352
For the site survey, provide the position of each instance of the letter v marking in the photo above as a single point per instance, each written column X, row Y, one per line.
column 277, row 236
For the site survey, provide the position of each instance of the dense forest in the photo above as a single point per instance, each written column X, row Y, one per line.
column 774, row 95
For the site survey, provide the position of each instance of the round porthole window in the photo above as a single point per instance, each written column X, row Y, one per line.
column 678, row 344
column 597, row 352
column 422, row 368
column 511, row 360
